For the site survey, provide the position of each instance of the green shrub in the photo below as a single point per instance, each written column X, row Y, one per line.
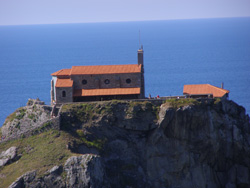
column 22, row 114
column 32, row 117
column 11, row 117
column 177, row 103
column 97, row 143
column 80, row 133
column 156, row 110
column 217, row 100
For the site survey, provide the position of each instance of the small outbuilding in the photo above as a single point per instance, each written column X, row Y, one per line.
column 205, row 91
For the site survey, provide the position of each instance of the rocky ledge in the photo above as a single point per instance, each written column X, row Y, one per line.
column 29, row 120
column 180, row 143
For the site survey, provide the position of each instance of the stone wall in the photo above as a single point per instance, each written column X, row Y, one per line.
column 115, row 81
column 68, row 97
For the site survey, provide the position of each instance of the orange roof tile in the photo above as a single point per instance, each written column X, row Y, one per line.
column 103, row 92
column 105, row 69
column 200, row 89
column 63, row 72
column 64, row 82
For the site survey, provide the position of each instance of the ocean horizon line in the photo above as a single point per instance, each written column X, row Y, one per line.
column 125, row 21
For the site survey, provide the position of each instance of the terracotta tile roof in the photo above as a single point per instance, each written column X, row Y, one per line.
column 103, row 92
column 64, row 82
column 204, row 89
column 63, row 72
column 105, row 69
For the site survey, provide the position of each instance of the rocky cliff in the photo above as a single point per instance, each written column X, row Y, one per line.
column 178, row 143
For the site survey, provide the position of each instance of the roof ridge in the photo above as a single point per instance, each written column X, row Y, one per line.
column 111, row 88
column 219, row 88
column 195, row 84
column 70, row 71
column 57, row 72
column 106, row 69
column 103, row 65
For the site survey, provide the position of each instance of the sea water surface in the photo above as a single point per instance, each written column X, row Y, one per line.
column 176, row 52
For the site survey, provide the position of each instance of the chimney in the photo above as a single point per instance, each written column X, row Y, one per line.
column 222, row 85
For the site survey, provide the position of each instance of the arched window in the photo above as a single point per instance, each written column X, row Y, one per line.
column 63, row 93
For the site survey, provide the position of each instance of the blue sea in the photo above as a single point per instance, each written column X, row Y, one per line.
column 176, row 52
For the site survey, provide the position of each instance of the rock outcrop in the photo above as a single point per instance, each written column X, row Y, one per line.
column 81, row 172
column 85, row 171
column 202, row 145
column 8, row 156
column 25, row 119
column 26, row 180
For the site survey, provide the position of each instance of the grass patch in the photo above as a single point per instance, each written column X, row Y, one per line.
column 81, row 112
column 97, row 143
column 11, row 117
column 32, row 117
column 43, row 128
column 107, row 109
column 156, row 111
column 217, row 100
column 177, row 103
column 18, row 114
column 143, row 107
column 40, row 152
column 21, row 113
column 136, row 103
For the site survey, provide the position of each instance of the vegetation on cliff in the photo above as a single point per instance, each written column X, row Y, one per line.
column 40, row 152
column 177, row 103
column 180, row 143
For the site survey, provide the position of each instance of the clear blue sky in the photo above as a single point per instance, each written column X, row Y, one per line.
column 20, row 12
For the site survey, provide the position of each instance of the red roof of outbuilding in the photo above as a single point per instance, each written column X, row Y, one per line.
column 64, row 82
column 103, row 92
column 200, row 89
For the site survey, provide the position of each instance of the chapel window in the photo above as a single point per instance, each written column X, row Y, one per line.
column 107, row 81
column 84, row 82
column 128, row 81
column 63, row 93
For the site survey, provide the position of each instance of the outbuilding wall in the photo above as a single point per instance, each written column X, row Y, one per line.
column 59, row 94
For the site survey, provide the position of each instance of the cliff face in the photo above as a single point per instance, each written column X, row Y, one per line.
column 145, row 144
column 200, row 146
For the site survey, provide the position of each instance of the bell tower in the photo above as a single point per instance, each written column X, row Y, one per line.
column 140, row 62
column 140, row 56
